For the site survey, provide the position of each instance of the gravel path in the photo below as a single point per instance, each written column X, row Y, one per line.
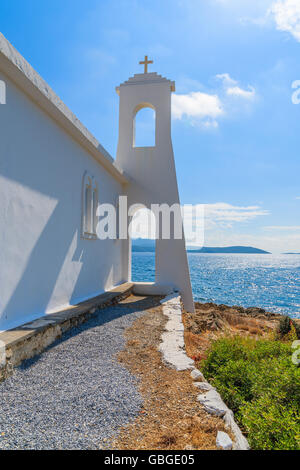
column 75, row 395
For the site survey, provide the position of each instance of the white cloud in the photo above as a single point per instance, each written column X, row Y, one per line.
column 222, row 215
column 237, row 91
column 196, row 105
column 223, row 212
column 209, row 124
column 226, row 79
column 286, row 14
column 232, row 87
column 204, row 109
column 221, row 224
column 204, row 216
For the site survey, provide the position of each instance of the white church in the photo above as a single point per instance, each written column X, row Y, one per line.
column 53, row 176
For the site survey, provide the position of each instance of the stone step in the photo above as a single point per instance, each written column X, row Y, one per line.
column 26, row 341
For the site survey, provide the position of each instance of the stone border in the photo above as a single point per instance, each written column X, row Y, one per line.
column 172, row 348
column 32, row 338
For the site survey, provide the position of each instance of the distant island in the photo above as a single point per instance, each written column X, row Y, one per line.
column 230, row 249
column 140, row 245
column 291, row 253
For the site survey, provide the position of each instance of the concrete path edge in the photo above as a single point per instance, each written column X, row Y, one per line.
column 33, row 338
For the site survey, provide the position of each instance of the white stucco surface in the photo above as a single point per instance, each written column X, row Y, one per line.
column 44, row 263
column 152, row 171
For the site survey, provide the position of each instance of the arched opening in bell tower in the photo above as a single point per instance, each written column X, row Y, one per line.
column 144, row 126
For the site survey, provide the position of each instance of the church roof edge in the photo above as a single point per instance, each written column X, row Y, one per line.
column 13, row 64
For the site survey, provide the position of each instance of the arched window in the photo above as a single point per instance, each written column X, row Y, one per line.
column 144, row 126
column 89, row 207
column 2, row 92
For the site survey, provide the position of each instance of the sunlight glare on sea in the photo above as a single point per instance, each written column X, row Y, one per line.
column 271, row 282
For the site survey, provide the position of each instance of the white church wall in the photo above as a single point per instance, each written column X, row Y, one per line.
column 45, row 264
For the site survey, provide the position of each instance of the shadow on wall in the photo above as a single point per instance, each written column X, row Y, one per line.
column 83, row 289
column 41, row 164
column 35, row 288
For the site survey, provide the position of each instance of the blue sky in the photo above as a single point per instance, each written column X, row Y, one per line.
column 235, row 129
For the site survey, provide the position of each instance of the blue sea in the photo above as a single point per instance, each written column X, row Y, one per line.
column 271, row 282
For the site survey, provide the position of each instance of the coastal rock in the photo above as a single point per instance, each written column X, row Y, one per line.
column 213, row 403
column 241, row 442
column 210, row 321
column 223, row 441
column 255, row 311
column 197, row 375
column 203, row 386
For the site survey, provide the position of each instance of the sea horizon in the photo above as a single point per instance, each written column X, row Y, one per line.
column 268, row 281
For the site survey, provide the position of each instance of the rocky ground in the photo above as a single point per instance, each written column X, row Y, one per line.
column 212, row 321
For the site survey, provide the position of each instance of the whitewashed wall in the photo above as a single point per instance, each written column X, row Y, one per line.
column 44, row 263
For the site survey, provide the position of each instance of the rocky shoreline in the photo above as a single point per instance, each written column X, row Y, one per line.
column 254, row 312
column 210, row 321
column 213, row 317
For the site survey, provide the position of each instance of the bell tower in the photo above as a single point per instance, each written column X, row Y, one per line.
column 152, row 172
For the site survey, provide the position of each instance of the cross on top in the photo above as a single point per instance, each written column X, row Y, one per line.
column 146, row 62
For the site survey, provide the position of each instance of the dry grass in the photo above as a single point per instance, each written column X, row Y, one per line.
column 247, row 323
column 171, row 418
column 211, row 322
column 255, row 331
column 196, row 345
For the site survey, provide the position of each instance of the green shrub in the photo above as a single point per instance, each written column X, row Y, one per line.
column 286, row 326
column 259, row 382
column 271, row 426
